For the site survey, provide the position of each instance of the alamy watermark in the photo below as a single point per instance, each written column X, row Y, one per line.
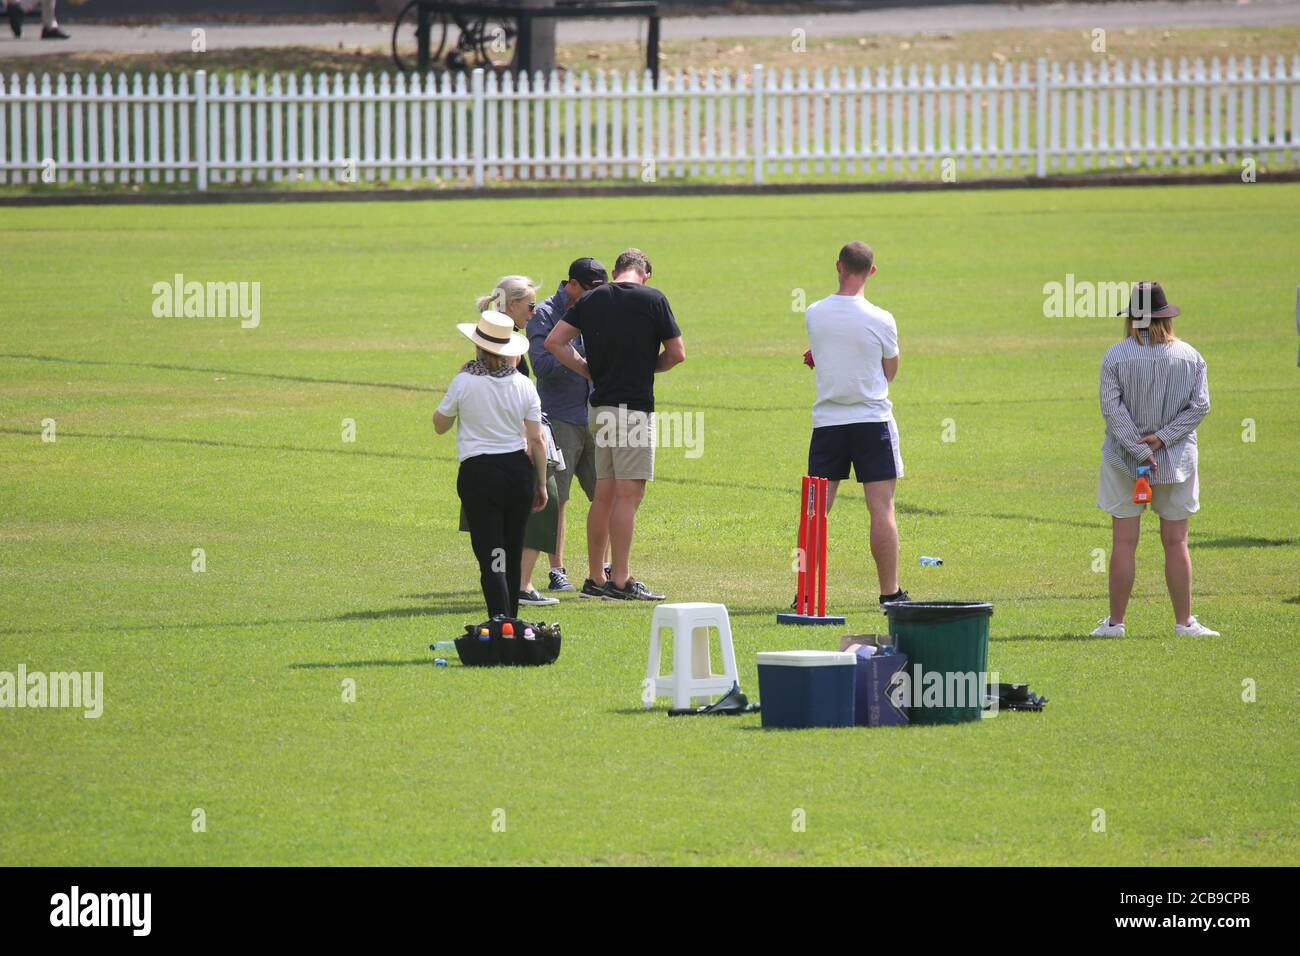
column 179, row 299
column 622, row 427
column 930, row 688
column 1085, row 299
column 82, row 690
column 75, row 908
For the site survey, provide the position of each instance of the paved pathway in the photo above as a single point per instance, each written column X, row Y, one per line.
column 175, row 37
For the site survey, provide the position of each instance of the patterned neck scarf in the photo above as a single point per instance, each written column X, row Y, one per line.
column 477, row 367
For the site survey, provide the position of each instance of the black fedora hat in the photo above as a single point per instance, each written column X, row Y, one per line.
column 1147, row 301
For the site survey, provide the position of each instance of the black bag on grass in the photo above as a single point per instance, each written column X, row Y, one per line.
column 484, row 645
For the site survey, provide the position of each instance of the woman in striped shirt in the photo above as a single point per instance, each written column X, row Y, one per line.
column 1153, row 395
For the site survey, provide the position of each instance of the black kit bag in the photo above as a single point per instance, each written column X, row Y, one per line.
column 484, row 645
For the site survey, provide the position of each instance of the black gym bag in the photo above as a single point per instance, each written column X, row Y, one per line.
column 492, row 649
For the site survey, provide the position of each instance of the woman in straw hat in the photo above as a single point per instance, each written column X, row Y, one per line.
column 1153, row 395
column 502, row 453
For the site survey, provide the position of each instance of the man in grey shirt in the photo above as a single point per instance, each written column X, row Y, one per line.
column 565, row 395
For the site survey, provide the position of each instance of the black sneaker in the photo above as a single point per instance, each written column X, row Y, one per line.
column 532, row 597
column 560, row 581
column 590, row 589
column 54, row 33
column 634, row 590
column 896, row 598
column 15, row 17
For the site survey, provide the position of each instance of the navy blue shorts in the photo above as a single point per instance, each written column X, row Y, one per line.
column 872, row 448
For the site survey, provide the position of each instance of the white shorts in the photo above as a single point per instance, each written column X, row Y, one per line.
column 1173, row 502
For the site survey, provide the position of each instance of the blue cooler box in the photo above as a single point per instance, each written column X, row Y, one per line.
column 806, row 688
column 873, row 682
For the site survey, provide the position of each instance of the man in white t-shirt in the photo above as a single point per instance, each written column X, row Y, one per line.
column 855, row 355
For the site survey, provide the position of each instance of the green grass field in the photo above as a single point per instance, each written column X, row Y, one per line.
column 329, row 561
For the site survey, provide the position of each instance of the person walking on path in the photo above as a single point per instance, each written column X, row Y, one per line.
column 15, row 10
column 1154, row 393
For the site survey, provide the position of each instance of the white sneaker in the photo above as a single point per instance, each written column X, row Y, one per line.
column 1107, row 629
column 1194, row 629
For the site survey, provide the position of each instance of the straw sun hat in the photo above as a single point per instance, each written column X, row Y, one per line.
column 494, row 332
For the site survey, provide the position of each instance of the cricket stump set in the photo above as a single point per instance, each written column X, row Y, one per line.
column 810, row 599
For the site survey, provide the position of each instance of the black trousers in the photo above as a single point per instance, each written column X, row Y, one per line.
column 497, row 492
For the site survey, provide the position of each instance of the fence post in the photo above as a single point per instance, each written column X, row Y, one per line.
column 477, row 132
column 757, row 119
column 1040, row 120
column 201, row 128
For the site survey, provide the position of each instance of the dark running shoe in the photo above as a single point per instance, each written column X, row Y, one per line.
column 560, row 581
column 54, row 33
column 15, row 17
column 532, row 597
column 634, row 590
column 590, row 589
column 897, row 598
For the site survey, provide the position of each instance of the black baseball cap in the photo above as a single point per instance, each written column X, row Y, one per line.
column 588, row 272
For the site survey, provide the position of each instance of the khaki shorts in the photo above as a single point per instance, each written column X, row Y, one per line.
column 625, row 442
column 1173, row 502
column 579, row 450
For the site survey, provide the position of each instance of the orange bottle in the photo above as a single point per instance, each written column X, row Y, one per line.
column 1142, row 490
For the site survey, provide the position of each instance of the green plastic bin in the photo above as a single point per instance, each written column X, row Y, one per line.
column 949, row 638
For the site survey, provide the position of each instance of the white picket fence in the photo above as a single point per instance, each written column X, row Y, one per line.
column 759, row 125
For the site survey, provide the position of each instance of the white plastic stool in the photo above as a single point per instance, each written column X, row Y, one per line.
column 690, row 623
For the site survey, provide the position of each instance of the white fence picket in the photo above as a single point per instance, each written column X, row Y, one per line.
column 4, row 125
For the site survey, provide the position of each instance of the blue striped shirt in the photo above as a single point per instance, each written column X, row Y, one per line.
column 1156, row 390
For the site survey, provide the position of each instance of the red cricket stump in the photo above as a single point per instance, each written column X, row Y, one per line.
column 810, row 586
column 801, row 593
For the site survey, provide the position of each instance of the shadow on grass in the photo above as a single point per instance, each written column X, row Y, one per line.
column 474, row 609
column 901, row 507
column 212, row 443
column 169, row 367
column 1051, row 638
column 440, row 595
column 1243, row 542
column 400, row 612
column 322, row 665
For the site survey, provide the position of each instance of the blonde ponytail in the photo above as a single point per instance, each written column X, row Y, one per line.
column 509, row 289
